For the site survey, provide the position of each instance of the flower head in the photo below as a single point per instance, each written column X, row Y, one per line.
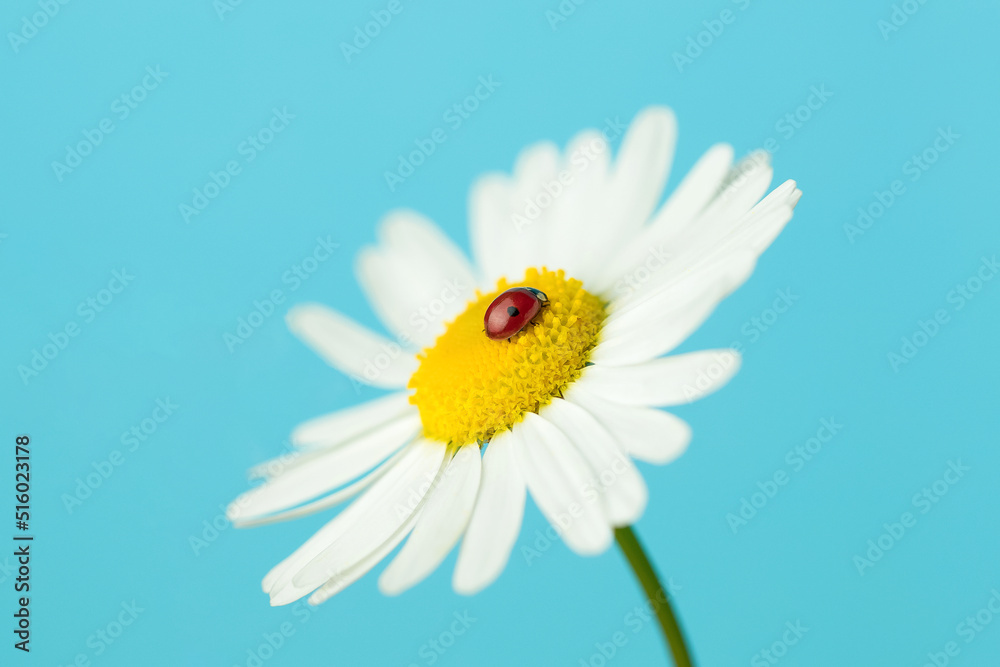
column 560, row 408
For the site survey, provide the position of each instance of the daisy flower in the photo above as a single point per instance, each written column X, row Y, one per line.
column 555, row 398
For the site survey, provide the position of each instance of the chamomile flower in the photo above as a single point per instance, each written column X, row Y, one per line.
column 553, row 395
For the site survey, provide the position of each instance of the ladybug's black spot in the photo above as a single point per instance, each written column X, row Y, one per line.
column 512, row 311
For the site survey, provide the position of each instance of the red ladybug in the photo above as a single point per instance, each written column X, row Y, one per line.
column 512, row 311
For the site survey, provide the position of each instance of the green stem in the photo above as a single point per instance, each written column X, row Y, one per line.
column 659, row 599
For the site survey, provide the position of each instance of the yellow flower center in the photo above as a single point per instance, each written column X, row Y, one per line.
column 469, row 387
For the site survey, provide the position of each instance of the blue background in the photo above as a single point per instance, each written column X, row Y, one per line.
column 826, row 357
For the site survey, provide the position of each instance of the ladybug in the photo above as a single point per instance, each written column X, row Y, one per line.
column 512, row 311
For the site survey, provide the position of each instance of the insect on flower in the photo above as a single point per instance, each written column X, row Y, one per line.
column 512, row 311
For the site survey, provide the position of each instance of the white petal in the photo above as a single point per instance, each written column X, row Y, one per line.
column 362, row 567
column 674, row 217
column 580, row 200
column 504, row 241
column 656, row 260
column 361, row 529
column 281, row 464
column 351, row 348
column 326, row 502
column 745, row 185
column 751, row 233
column 727, row 220
column 537, row 166
column 642, row 166
column 372, row 529
column 569, row 211
column 673, row 380
column 620, row 483
column 663, row 319
column 562, row 484
column 416, row 279
column 647, row 434
column 693, row 193
column 492, row 235
column 756, row 231
column 327, row 471
column 337, row 427
column 446, row 513
column 496, row 519
column 786, row 194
